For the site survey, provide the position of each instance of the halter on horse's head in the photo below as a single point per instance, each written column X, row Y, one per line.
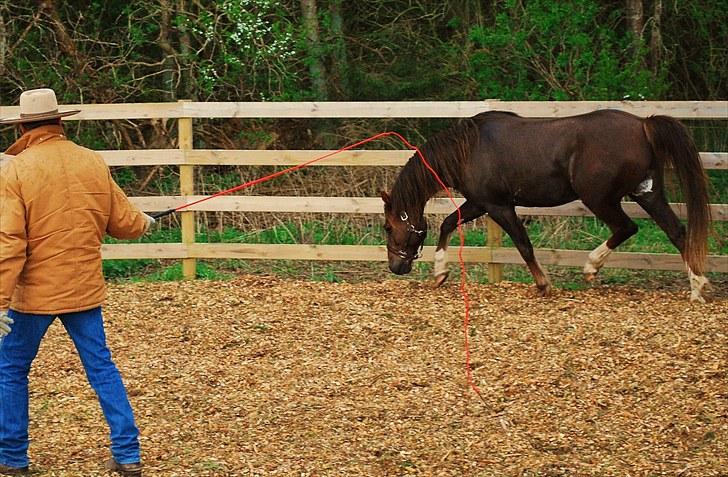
column 405, row 236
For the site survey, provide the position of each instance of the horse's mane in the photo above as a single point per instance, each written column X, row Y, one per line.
column 447, row 152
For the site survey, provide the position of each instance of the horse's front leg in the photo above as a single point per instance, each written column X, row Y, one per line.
column 506, row 217
column 440, row 271
column 468, row 212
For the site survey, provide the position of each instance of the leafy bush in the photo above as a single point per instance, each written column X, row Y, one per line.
column 544, row 50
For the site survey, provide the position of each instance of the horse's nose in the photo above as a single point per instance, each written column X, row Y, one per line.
column 400, row 267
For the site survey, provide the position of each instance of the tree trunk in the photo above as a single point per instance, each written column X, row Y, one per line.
column 3, row 45
column 635, row 19
column 635, row 23
column 64, row 41
column 316, row 66
column 340, row 63
column 656, row 36
column 170, row 55
column 185, row 50
column 470, row 12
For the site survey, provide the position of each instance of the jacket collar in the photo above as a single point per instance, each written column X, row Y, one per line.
column 36, row 136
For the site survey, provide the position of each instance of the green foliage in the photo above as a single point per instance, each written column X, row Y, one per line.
column 130, row 269
column 125, row 269
column 329, row 274
column 253, row 49
column 410, row 76
column 544, row 50
column 173, row 272
column 545, row 232
column 403, row 52
column 124, row 176
column 695, row 34
column 335, row 232
column 588, row 232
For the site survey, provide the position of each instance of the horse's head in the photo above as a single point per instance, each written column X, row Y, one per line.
column 405, row 236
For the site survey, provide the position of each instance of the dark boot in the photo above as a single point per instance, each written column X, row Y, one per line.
column 7, row 470
column 127, row 470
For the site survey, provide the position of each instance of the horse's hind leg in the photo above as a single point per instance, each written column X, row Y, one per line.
column 655, row 204
column 510, row 222
column 468, row 212
column 622, row 228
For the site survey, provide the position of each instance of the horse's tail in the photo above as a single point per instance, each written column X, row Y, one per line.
column 672, row 145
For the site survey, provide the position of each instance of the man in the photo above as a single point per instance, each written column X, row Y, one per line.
column 57, row 200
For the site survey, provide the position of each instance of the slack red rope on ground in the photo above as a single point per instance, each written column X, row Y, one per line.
column 463, row 274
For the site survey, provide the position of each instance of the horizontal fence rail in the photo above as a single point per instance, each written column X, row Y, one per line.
column 401, row 109
column 373, row 205
column 187, row 158
column 373, row 253
column 359, row 158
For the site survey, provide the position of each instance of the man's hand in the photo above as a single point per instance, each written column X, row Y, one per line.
column 150, row 221
column 5, row 322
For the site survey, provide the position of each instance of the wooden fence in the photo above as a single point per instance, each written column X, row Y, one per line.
column 188, row 159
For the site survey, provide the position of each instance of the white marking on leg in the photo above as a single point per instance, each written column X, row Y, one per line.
column 644, row 187
column 697, row 284
column 596, row 259
column 440, row 267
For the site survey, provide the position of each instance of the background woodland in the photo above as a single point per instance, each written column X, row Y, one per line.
column 391, row 50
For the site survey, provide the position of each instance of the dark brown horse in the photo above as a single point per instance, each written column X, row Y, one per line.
column 499, row 160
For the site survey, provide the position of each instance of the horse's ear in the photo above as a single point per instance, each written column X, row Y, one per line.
column 385, row 198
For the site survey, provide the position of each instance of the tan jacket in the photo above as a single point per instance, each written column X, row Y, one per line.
column 57, row 200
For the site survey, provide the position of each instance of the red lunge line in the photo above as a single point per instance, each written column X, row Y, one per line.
column 260, row 180
column 463, row 274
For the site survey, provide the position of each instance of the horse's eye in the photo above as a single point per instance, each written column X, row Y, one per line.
column 387, row 227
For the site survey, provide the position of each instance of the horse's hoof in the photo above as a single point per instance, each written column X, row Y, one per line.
column 707, row 286
column 440, row 279
column 543, row 290
column 699, row 286
column 697, row 298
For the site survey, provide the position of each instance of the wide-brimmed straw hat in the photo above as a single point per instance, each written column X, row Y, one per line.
column 38, row 105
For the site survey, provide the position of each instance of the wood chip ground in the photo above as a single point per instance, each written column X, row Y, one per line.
column 263, row 376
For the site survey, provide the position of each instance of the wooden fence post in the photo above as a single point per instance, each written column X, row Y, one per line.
column 187, row 187
column 495, row 240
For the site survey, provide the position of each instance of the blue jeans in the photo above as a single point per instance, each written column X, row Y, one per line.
column 17, row 352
